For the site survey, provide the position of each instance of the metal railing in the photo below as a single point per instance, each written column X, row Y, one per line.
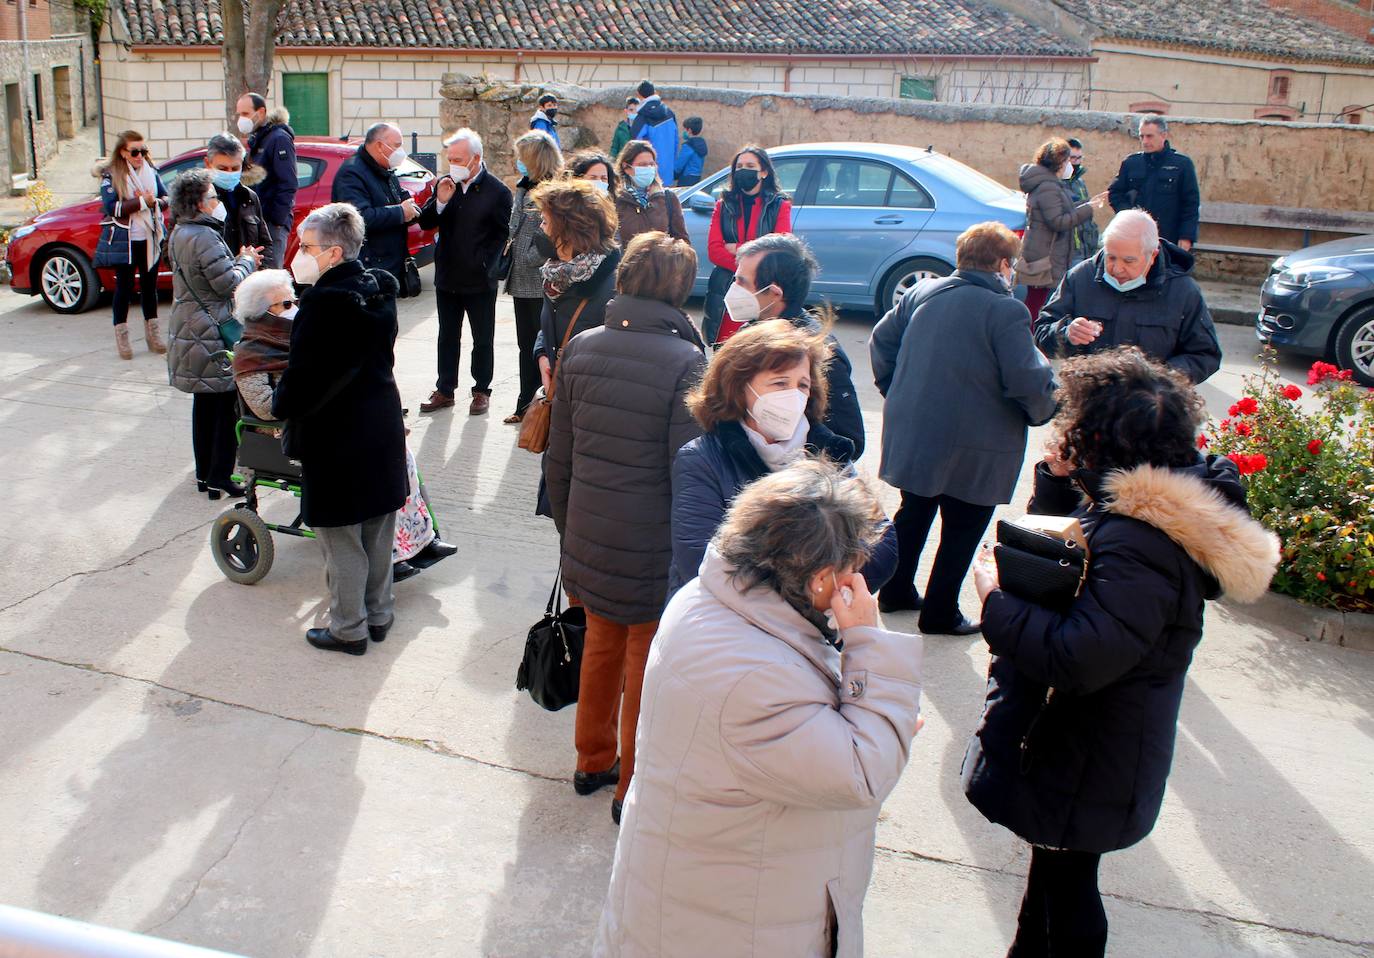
column 31, row 934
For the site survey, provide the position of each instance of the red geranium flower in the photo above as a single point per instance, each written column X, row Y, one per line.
column 1243, row 429
column 1321, row 576
column 1321, row 370
column 1202, row 440
column 1247, row 405
column 1292, row 392
column 1315, row 446
column 1225, row 425
column 1248, row 464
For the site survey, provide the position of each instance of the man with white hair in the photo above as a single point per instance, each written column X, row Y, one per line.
column 367, row 179
column 471, row 208
column 1138, row 290
column 1161, row 181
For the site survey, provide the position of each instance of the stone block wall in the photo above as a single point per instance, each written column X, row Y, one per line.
column 74, row 52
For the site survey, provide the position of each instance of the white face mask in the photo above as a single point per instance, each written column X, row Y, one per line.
column 459, row 173
column 396, row 158
column 742, row 304
column 219, row 212
column 778, row 413
column 305, row 268
column 246, row 125
column 292, row 311
column 1067, row 172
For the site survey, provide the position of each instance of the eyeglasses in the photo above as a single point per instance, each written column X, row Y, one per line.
column 141, row 152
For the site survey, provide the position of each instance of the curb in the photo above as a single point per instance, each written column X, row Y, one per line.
column 1351, row 630
column 1233, row 316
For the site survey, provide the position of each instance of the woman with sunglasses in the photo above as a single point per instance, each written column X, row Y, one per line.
column 133, row 197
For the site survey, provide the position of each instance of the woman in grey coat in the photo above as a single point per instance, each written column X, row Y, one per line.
column 962, row 379
column 1052, row 215
column 537, row 160
column 204, row 276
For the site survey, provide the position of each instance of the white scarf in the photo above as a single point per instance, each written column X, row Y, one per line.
column 779, row 455
column 146, row 224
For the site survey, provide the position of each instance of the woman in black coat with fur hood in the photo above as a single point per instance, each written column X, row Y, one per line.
column 1077, row 736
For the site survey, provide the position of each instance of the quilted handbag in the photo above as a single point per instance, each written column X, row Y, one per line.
column 552, row 665
column 1047, row 567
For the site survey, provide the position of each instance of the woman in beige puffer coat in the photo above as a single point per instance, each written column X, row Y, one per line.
column 764, row 752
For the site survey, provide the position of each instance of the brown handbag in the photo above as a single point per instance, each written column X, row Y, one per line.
column 534, row 427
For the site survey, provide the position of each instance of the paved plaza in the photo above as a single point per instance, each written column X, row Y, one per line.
column 177, row 761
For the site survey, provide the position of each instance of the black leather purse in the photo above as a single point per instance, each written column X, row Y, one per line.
column 552, row 665
column 410, row 279
column 1038, row 566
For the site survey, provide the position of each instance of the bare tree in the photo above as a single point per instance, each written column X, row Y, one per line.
column 250, row 36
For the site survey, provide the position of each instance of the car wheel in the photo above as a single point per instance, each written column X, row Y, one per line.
column 67, row 282
column 1355, row 346
column 906, row 275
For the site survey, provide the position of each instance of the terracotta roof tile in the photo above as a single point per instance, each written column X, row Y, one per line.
column 897, row 27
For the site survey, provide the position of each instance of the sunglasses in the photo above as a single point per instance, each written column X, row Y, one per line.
column 140, row 152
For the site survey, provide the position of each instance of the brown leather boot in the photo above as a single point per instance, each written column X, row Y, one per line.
column 152, row 335
column 122, row 341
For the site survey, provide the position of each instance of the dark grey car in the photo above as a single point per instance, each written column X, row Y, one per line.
column 1319, row 301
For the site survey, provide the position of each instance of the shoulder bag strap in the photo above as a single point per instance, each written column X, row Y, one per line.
column 555, row 602
column 567, row 334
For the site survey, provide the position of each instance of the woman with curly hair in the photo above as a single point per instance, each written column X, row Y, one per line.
column 1077, row 735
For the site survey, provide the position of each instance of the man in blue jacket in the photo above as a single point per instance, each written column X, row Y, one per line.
column 545, row 118
column 271, row 170
column 367, row 179
column 691, row 159
column 657, row 124
column 1161, row 181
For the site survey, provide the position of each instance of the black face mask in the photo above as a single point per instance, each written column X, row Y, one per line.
column 544, row 246
column 745, row 179
column 551, row 111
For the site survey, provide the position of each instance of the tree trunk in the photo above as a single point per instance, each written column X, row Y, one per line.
column 248, row 48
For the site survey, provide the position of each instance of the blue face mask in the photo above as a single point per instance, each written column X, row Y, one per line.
column 226, row 181
column 644, row 176
column 601, row 185
column 1125, row 287
column 521, row 168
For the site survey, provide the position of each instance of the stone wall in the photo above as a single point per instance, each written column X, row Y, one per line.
column 72, row 52
column 1240, row 161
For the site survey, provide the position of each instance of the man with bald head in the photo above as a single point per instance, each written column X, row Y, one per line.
column 1137, row 290
column 367, row 179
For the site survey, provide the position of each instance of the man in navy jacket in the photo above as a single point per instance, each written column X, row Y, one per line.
column 272, row 155
column 1161, row 181
column 367, row 179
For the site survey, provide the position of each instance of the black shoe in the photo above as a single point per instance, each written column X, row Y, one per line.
column 584, row 783
column 432, row 553
column 229, row 487
column 378, row 632
column 962, row 626
column 400, row 571
column 324, row 639
column 907, row 601
column 616, row 807
column 201, row 486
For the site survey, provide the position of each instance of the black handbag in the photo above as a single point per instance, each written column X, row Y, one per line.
column 410, row 279
column 552, row 664
column 500, row 266
column 1034, row 565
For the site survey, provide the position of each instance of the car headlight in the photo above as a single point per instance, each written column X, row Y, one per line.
column 22, row 231
column 1301, row 277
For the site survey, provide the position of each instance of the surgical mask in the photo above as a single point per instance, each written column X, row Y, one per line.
column 227, row 180
column 778, row 413
column 601, row 185
column 460, row 174
column 644, row 176
column 246, row 125
column 742, row 304
column 290, row 313
column 1066, row 172
column 305, row 268
column 521, row 168
column 219, row 212
column 1127, row 286
column 630, row 117
column 396, row 158
column 745, row 179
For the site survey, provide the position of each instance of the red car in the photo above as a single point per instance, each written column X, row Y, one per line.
column 50, row 256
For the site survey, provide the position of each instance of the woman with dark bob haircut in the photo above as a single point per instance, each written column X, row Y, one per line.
column 1077, row 735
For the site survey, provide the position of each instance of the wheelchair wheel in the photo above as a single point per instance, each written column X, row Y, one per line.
column 242, row 545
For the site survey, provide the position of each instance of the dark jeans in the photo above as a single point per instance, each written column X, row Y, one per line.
column 124, row 285
column 213, row 418
column 480, row 308
column 714, row 308
column 962, row 525
column 527, row 311
column 1062, row 914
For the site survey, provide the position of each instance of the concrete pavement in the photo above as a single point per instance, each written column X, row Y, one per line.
column 176, row 760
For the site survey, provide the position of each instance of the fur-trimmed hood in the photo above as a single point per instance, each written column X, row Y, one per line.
column 277, row 116
column 1197, row 509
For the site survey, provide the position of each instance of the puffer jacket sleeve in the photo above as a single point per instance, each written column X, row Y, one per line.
column 882, row 561
column 1052, row 325
column 845, row 416
column 1127, row 601
column 1198, row 353
column 1057, row 210
column 699, row 501
column 221, row 270
column 682, row 425
column 842, row 752
column 112, row 204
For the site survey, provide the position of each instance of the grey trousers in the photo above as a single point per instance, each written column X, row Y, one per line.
column 273, row 258
column 357, row 569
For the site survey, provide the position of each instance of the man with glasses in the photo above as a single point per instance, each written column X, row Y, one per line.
column 367, row 179
column 1162, row 182
column 1086, row 236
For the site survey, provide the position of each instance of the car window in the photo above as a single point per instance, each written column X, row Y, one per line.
column 853, row 183
column 908, row 195
column 170, row 171
column 308, row 171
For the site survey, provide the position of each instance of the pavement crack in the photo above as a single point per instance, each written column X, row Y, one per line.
column 123, row 563
column 238, row 833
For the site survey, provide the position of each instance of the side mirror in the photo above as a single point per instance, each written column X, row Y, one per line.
column 702, row 202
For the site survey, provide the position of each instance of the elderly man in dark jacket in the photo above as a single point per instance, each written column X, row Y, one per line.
column 962, row 380
column 471, row 208
column 778, row 269
column 338, row 396
column 1161, row 181
column 367, row 179
column 1139, row 291
column 273, row 174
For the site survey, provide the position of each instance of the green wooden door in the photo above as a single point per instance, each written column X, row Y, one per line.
column 307, row 98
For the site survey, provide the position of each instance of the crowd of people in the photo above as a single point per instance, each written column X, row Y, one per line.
column 738, row 690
